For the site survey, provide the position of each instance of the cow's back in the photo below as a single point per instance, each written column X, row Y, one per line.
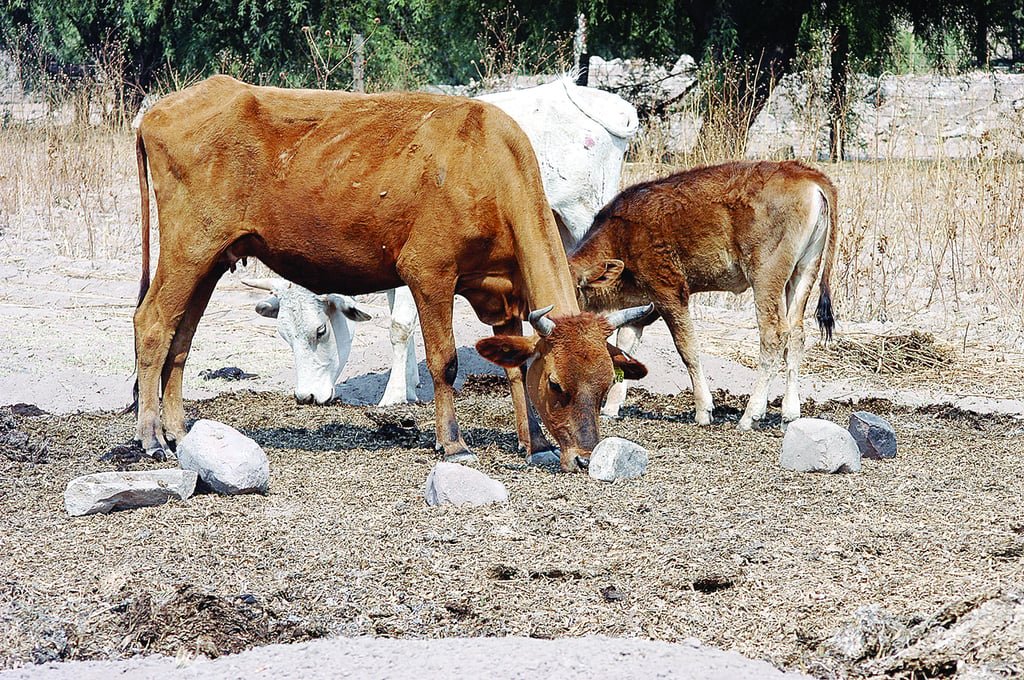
column 334, row 185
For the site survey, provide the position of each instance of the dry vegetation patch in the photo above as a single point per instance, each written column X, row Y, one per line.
column 715, row 542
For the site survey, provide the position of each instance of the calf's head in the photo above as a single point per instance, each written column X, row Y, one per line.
column 319, row 331
column 572, row 370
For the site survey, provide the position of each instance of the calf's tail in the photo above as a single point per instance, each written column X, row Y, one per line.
column 824, row 315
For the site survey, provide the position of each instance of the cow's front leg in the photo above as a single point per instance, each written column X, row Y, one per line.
column 435, row 309
column 531, row 437
column 627, row 339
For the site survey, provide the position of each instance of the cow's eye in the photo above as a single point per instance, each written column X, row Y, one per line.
column 321, row 331
column 555, row 387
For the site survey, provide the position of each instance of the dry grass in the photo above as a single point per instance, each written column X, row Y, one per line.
column 715, row 542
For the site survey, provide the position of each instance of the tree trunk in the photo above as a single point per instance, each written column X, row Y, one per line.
column 838, row 93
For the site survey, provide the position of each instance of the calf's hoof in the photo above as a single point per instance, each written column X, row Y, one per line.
column 702, row 417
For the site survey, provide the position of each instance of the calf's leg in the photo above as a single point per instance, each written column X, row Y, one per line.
column 677, row 315
column 773, row 328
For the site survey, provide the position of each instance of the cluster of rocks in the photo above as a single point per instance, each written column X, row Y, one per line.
column 213, row 457
column 817, row 445
column 218, row 458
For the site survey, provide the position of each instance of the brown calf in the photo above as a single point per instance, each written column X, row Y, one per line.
column 762, row 225
column 352, row 193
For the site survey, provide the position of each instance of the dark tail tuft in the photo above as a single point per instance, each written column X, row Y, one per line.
column 826, row 320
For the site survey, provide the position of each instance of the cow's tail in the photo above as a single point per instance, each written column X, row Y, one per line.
column 140, row 155
column 824, row 315
column 141, row 158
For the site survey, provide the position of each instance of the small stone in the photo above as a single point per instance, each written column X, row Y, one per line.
column 106, row 491
column 546, row 459
column 816, row 445
column 617, row 458
column 224, row 458
column 873, row 434
column 454, row 484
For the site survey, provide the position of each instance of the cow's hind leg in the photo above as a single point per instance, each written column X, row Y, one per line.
column 156, row 323
column 174, row 366
column 434, row 303
column 677, row 315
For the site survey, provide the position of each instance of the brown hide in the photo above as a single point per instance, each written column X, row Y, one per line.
column 347, row 193
column 770, row 226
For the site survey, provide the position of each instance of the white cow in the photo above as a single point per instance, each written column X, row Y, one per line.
column 580, row 136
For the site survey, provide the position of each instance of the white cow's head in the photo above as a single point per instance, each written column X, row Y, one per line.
column 317, row 328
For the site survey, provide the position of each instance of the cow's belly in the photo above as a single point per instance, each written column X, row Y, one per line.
column 336, row 267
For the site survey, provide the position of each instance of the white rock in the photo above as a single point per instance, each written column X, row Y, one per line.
column 454, row 484
column 816, row 445
column 617, row 458
column 106, row 491
column 224, row 458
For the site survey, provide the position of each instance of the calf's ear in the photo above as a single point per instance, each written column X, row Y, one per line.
column 508, row 351
column 600, row 275
column 630, row 367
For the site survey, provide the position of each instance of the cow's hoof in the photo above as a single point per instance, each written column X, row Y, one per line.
column 463, row 457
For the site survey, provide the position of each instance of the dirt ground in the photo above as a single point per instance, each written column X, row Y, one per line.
column 715, row 542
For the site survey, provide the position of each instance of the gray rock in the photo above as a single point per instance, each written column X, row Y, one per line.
column 107, row 491
column 454, row 484
column 874, row 435
column 816, row 445
column 224, row 458
column 617, row 458
column 546, row 459
column 871, row 634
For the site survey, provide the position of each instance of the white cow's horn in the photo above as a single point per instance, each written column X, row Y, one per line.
column 626, row 316
column 267, row 284
column 539, row 321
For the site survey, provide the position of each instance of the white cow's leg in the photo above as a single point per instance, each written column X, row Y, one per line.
column 404, row 377
column 627, row 339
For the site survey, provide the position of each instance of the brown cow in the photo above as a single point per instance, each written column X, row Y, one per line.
column 352, row 193
column 761, row 225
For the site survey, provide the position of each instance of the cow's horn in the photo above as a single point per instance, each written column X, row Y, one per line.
column 541, row 322
column 266, row 284
column 626, row 316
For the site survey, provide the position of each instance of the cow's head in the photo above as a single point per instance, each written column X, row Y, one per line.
column 572, row 370
column 318, row 330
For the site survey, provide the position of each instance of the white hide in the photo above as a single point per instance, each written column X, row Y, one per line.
column 318, row 328
column 580, row 136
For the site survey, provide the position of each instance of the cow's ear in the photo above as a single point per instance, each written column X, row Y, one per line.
column 508, row 351
column 600, row 275
column 630, row 367
column 347, row 306
column 269, row 307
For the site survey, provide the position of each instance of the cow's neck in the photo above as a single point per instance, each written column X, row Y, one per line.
column 545, row 271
